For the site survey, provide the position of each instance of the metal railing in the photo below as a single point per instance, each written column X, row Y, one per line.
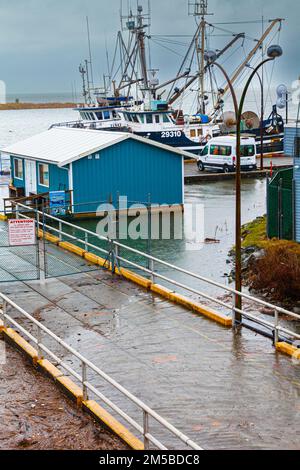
column 86, row 366
column 151, row 270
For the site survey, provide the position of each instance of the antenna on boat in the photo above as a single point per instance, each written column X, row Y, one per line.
column 199, row 9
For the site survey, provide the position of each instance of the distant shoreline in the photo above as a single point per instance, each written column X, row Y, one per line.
column 20, row 106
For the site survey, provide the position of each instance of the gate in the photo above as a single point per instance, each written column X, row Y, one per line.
column 17, row 263
column 280, row 206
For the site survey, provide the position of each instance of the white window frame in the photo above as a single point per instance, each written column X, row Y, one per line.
column 39, row 175
column 17, row 177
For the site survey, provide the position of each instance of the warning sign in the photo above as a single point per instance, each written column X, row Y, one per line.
column 21, row 232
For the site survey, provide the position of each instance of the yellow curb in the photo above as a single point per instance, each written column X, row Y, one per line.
column 21, row 344
column 49, row 369
column 71, row 389
column 51, row 238
column 289, row 350
column 198, row 308
column 163, row 291
column 105, row 418
column 141, row 281
column 72, row 248
column 94, row 259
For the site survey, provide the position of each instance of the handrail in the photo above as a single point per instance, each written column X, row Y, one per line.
column 147, row 411
column 153, row 260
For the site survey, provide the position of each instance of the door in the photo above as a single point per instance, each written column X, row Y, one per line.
column 30, row 177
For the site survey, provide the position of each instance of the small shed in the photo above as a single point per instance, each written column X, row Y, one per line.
column 96, row 166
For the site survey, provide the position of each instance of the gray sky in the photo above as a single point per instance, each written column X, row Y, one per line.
column 43, row 41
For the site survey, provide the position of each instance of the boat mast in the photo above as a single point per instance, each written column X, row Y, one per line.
column 199, row 9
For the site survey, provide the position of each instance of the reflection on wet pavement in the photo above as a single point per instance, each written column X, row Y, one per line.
column 222, row 390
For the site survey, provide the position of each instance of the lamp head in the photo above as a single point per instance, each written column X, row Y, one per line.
column 210, row 56
column 274, row 52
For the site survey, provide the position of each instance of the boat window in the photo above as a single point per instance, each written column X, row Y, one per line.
column 99, row 115
column 157, row 120
column 44, row 175
column 106, row 115
column 142, row 118
column 149, row 118
column 166, row 118
column 247, row 150
column 193, row 132
column 135, row 118
column 200, row 132
column 129, row 117
column 18, row 168
column 114, row 114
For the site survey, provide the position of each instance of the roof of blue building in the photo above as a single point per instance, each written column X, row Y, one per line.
column 62, row 146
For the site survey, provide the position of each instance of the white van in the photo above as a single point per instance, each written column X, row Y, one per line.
column 220, row 154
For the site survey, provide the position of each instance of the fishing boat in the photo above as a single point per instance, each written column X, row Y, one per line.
column 135, row 104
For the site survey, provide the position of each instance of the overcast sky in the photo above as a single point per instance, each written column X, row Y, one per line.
column 43, row 41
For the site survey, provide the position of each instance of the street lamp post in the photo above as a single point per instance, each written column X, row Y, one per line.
column 262, row 112
column 273, row 53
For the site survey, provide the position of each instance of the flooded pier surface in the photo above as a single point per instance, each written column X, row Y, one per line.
column 34, row 415
column 223, row 390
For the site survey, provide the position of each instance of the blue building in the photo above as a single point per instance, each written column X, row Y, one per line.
column 96, row 166
column 292, row 149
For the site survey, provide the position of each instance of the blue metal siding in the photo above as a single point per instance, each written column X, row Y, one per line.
column 17, row 183
column 297, row 198
column 133, row 169
column 58, row 179
column 289, row 140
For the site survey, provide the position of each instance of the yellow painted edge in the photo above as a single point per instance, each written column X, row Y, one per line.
column 49, row 368
column 198, row 308
column 141, row 281
column 3, row 218
column 102, row 415
column 72, row 248
column 21, row 343
column 289, row 350
column 71, row 389
column 163, row 291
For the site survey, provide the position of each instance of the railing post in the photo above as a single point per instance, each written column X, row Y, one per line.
column 233, row 310
column 146, row 429
column 86, row 240
column 4, row 312
column 17, row 211
column 39, row 342
column 84, row 378
column 151, row 267
column 60, row 231
column 276, row 325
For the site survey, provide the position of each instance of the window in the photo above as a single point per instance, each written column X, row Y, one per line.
column 106, row 115
column 44, row 175
column 99, row 115
column 157, row 118
column 205, row 151
column 200, row 132
column 220, row 150
column 166, row 118
column 18, row 168
column 247, row 150
column 193, row 133
column 149, row 118
column 142, row 118
column 135, row 118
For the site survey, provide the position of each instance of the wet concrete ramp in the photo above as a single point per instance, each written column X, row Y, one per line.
column 222, row 390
